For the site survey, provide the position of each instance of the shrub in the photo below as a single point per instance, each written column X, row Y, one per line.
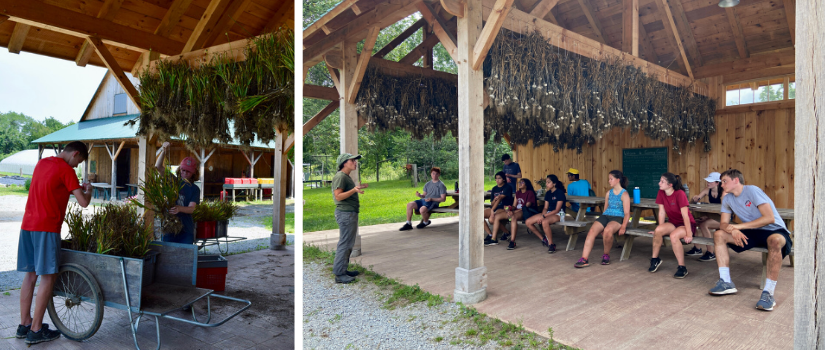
column 28, row 184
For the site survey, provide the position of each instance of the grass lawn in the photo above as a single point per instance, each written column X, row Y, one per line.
column 382, row 202
column 13, row 191
column 290, row 223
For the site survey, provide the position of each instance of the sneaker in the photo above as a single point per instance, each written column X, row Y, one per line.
column 353, row 273
column 23, row 330
column 344, row 279
column 551, row 249
column 505, row 236
column 766, row 302
column 491, row 242
column 544, row 242
column 723, row 288
column 694, row 252
column 708, row 257
column 654, row 264
column 45, row 334
column 423, row 224
column 606, row 259
column 512, row 245
column 681, row 272
column 406, row 227
column 581, row 263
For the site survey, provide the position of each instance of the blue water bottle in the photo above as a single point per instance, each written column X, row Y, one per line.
column 636, row 194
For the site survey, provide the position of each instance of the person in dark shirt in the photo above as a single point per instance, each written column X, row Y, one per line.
column 512, row 171
column 554, row 201
column 188, row 197
column 715, row 193
column 500, row 195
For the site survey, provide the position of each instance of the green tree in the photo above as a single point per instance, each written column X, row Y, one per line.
column 18, row 130
column 771, row 93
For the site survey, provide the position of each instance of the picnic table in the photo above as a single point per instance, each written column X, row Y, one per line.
column 131, row 190
column 106, row 189
column 318, row 183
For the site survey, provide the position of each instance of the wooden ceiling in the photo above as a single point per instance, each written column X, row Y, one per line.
column 715, row 40
column 129, row 28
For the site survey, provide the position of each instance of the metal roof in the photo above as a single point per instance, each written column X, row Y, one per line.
column 113, row 128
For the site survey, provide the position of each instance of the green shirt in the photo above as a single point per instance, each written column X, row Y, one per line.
column 345, row 183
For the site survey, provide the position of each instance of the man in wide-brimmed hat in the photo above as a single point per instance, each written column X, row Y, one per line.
column 345, row 194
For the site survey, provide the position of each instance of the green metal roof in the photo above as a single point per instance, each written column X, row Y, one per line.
column 112, row 128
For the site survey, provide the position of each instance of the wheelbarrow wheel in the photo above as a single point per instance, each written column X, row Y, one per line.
column 76, row 307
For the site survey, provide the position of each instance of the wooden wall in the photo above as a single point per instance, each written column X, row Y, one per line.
column 102, row 104
column 760, row 144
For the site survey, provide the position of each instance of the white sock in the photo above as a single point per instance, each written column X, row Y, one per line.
column 724, row 274
column 770, row 285
column 409, row 223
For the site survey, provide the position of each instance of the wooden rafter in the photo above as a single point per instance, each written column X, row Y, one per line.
column 58, row 19
column 233, row 51
column 18, row 37
column 321, row 22
column 522, row 22
column 229, row 17
column 356, row 9
column 333, row 74
column 686, row 32
column 630, row 27
column 363, row 61
column 754, row 63
column 490, row 30
column 172, row 16
column 543, row 7
column 205, row 25
column 644, row 39
column 321, row 93
column 320, row 116
column 673, row 34
column 790, row 14
column 117, row 72
column 381, row 16
column 109, row 9
column 762, row 74
column 284, row 16
column 738, row 35
column 84, row 54
column 400, row 38
column 593, row 20
column 454, row 7
column 425, row 46
column 440, row 29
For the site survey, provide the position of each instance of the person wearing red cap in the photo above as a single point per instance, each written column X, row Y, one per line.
column 188, row 198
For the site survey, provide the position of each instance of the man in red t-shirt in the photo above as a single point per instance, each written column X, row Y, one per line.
column 38, row 250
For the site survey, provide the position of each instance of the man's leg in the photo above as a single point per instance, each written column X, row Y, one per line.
column 487, row 213
column 44, row 294
column 26, row 296
column 725, row 284
column 705, row 228
column 531, row 225
column 411, row 206
column 658, row 237
column 776, row 242
column 348, row 225
column 425, row 214
column 501, row 215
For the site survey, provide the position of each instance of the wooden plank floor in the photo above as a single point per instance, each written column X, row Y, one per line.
column 619, row 306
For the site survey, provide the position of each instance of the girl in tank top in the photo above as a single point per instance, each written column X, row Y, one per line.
column 614, row 219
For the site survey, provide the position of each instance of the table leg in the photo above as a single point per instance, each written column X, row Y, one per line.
column 637, row 212
column 454, row 205
column 233, row 195
column 582, row 211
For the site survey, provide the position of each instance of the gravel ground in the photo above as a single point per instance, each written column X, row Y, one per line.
column 338, row 316
column 247, row 224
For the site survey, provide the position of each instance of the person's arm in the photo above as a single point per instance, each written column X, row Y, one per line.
column 546, row 208
column 626, row 206
column 340, row 195
column 83, row 195
column 159, row 161
column 765, row 220
column 662, row 214
column 688, row 228
column 701, row 195
column 185, row 210
column 441, row 199
column 530, row 202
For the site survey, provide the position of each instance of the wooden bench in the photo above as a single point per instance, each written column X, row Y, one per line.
column 444, row 210
column 633, row 233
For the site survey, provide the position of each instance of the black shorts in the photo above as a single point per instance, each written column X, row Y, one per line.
column 605, row 219
column 758, row 238
column 526, row 213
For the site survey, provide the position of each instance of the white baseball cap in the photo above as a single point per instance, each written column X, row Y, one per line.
column 713, row 177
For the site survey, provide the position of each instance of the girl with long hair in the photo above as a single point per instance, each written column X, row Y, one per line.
column 615, row 218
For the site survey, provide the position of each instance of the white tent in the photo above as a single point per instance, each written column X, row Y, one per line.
column 24, row 161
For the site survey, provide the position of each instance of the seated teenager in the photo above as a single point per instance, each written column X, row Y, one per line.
column 524, row 207
column 761, row 227
column 672, row 202
column 553, row 203
column 500, row 195
column 715, row 193
column 434, row 193
column 614, row 219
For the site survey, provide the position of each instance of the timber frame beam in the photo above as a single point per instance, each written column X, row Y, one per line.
column 65, row 21
column 790, row 14
column 321, row 22
column 593, row 20
column 18, row 37
column 107, row 12
column 522, row 22
column 543, row 7
column 630, row 27
column 738, row 35
column 363, row 61
column 205, row 25
column 673, row 34
column 491, row 29
column 400, row 38
column 778, row 59
column 117, row 72
column 446, row 37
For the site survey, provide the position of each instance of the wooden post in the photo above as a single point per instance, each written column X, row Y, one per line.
column 349, row 117
column 39, row 151
column 277, row 240
column 809, row 245
column 86, row 162
column 202, row 159
column 471, row 274
column 113, row 154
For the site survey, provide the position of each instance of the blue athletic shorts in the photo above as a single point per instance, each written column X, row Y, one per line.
column 421, row 203
column 38, row 252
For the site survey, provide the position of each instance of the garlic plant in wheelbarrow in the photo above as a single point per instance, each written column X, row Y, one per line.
column 110, row 258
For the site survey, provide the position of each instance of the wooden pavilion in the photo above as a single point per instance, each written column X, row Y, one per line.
column 131, row 36
column 694, row 43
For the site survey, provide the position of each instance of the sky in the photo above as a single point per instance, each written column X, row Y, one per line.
column 40, row 86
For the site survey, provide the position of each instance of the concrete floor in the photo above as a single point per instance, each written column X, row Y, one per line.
column 619, row 306
column 264, row 277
